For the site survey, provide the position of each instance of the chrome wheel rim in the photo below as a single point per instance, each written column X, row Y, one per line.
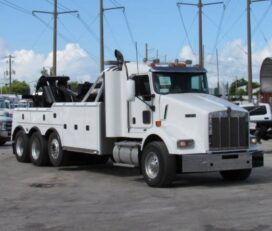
column 152, row 165
column 35, row 149
column 54, row 149
column 20, row 146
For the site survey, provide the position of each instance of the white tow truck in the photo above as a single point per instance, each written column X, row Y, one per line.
column 159, row 117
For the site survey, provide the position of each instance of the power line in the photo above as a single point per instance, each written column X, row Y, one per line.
column 129, row 28
column 115, row 3
column 15, row 7
column 185, row 30
column 51, row 28
column 200, row 6
column 42, row 33
column 112, row 34
column 262, row 18
column 67, row 29
column 55, row 13
column 87, row 27
column 60, row 6
column 260, row 29
column 231, row 27
column 227, row 3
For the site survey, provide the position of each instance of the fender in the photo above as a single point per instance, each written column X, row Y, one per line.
column 164, row 137
column 170, row 138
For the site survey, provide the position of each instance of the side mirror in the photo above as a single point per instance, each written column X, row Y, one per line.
column 130, row 90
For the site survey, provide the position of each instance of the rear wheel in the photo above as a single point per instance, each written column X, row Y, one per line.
column 38, row 150
column 57, row 156
column 21, row 147
column 236, row 175
column 158, row 167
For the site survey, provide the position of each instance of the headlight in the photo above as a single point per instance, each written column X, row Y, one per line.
column 185, row 143
column 2, row 125
column 253, row 140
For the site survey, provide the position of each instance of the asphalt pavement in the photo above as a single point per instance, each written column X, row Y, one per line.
column 92, row 197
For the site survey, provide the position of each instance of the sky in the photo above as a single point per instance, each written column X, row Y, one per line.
column 170, row 31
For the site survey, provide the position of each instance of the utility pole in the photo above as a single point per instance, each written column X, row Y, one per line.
column 102, row 58
column 137, row 56
column 102, row 11
column 146, row 52
column 249, row 47
column 200, row 6
column 55, row 14
column 217, row 67
column 10, row 71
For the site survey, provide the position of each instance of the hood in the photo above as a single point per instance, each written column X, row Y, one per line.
column 202, row 102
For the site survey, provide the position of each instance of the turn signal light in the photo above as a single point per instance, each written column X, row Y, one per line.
column 158, row 123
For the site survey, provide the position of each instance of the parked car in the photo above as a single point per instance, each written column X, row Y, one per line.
column 260, row 119
column 5, row 120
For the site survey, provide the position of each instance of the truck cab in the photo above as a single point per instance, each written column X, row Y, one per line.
column 158, row 117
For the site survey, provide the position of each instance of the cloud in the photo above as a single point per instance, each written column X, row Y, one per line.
column 232, row 61
column 3, row 48
column 186, row 53
column 73, row 61
column 28, row 65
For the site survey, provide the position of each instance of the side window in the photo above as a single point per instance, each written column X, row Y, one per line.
column 195, row 82
column 142, row 85
column 165, row 84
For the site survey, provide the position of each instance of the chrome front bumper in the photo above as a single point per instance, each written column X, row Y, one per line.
column 221, row 162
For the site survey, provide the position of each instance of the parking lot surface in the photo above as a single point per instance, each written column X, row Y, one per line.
column 92, row 197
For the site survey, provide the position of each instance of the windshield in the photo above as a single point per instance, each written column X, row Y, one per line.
column 174, row 83
column 3, row 104
column 256, row 110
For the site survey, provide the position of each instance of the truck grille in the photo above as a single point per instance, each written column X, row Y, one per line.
column 8, row 126
column 228, row 130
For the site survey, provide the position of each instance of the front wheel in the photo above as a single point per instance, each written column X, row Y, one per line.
column 158, row 167
column 236, row 175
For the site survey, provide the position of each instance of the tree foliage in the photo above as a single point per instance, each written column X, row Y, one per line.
column 74, row 85
column 239, row 87
column 17, row 87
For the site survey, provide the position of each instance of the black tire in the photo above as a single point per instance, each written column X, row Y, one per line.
column 99, row 159
column 236, row 175
column 2, row 142
column 38, row 150
column 165, row 164
column 21, row 147
column 57, row 156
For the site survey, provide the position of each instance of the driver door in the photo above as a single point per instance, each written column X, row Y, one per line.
column 140, row 114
